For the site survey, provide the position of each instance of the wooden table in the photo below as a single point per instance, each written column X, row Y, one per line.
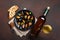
column 37, row 7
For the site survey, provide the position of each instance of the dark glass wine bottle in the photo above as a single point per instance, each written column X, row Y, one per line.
column 39, row 24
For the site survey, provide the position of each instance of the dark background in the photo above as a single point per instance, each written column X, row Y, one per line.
column 37, row 7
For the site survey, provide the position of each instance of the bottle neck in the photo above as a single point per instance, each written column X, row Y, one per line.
column 46, row 11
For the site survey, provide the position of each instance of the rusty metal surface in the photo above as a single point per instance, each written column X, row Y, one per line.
column 37, row 7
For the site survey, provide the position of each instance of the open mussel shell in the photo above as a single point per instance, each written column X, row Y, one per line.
column 46, row 29
column 24, row 20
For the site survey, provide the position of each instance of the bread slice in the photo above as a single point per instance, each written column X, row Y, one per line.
column 12, row 11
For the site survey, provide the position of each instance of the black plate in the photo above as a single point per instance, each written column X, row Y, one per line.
column 20, row 16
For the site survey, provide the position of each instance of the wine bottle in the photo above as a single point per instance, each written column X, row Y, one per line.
column 40, row 22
